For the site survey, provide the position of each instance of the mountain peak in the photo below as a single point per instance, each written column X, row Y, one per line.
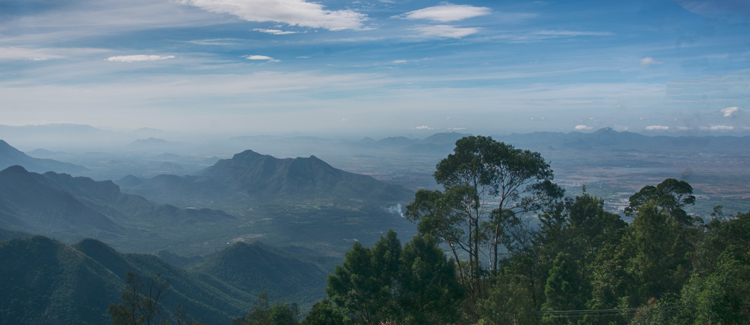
column 6, row 148
column 16, row 169
column 246, row 154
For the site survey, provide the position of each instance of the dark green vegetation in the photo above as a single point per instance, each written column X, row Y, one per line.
column 576, row 264
column 526, row 254
column 72, row 208
column 46, row 281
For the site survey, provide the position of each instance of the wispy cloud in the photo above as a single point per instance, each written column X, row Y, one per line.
column 43, row 54
column 423, row 127
column 446, row 31
column 583, row 127
column 570, row 33
column 717, row 127
column 447, row 12
column 15, row 53
column 710, row 8
column 138, row 58
column 291, row 12
column 730, row 111
column 261, row 57
column 541, row 35
column 648, row 61
column 656, row 128
column 215, row 41
column 274, row 31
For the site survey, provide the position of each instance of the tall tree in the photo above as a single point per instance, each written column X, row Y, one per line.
column 264, row 313
column 670, row 195
column 660, row 248
column 487, row 186
column 141, row 301
column 413, row 285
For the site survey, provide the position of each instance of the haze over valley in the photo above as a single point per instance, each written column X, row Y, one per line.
column 374, row 162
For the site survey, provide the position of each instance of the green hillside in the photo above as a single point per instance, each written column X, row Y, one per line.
column 72, row 208
column 257, row 267
column 47, row 282
column 47, row 210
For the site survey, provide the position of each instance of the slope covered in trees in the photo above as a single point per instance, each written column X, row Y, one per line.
column 567, row 261
column 72, row 208
column 45, row 281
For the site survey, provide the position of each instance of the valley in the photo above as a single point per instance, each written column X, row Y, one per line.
column 279, row 214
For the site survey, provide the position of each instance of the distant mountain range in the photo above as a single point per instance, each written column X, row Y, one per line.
column 45, row 281
column 607, row 138
column 10, row 156
column 250, row 174
column 71, row 208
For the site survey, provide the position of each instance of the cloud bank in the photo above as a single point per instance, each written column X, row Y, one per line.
column 648, row 61
column 657, row 128
column 291, row 12
column 729, row 111
column 446, row 31
column 717, row 128
column 138, row 58
column 583, row 127
column 274, row 31
column 447, row 12
column 261, row 57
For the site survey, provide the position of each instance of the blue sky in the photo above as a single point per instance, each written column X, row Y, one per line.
column 377, row 67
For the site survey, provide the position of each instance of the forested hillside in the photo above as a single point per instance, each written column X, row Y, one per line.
column 499, row 243
column 565, row 260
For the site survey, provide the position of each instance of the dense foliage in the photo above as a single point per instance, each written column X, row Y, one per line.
column 500, row 244
column 566, row 260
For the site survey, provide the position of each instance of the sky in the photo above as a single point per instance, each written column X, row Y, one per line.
column 377, row 67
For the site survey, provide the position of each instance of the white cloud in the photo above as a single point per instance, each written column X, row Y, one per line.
column 446, row 31
column 215, row 41
column 570, row 33
column 541, row 35
column 684, row 128
column 261, row 57
column 423, row 127
column 717, row 127
column 138, row 58
column 291, row 12
column 399, row 61
column 274, row 31
column 656, row 128
column 447, row 12
column 302, row 57
column 648, row 61
column 729, row 111
column 456, row 129
column 16, row 53
column 583, row 127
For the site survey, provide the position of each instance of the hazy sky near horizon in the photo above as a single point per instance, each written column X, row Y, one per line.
column 377, row 66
